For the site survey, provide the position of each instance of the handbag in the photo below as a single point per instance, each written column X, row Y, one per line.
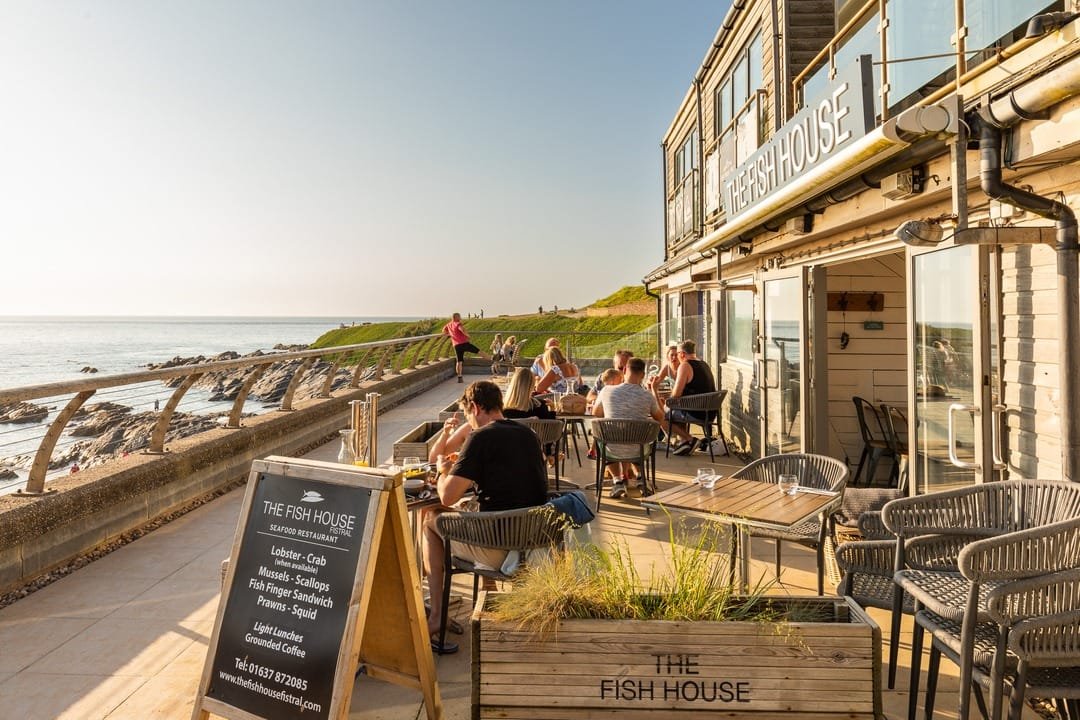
column 571, row 404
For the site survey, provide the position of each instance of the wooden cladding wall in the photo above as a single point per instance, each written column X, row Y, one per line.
column 1030, row 371
column 874, row 363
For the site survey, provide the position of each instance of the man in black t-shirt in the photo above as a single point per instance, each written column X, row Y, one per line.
column 504, row 462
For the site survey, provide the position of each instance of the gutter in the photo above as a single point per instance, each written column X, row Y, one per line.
column 1022, row 103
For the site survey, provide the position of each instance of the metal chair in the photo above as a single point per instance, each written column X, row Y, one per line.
column 550, row 434
column 632, row 441
column 707, row 403
column 895, row 425
column 1047, row 649
column 999, row 513
column 523, row 530
column 817, row 472
column 875, row 446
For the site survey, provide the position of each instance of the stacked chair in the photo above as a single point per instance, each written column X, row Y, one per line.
column 1012, row 582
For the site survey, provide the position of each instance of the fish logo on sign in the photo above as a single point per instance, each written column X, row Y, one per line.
column 310, row 496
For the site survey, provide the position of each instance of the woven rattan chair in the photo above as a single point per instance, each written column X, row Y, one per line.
column 998, row 512
column 817, row 472
column 867, row 567
column 707, row 403
column 894, row 423
column 503, row 364
column 1010, row 606
column 550, row 433
column 632, row 441
column 1047, row 649
column 523, row 530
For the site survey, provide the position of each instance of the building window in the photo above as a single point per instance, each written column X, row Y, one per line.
column 672, row 318
column 738, row 90
column 739, row 325
column 684, row 206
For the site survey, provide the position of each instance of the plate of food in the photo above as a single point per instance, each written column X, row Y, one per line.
column 415, row 485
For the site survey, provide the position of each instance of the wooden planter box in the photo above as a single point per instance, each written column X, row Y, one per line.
column 417, row 442
column 637, row 669
column 448, row 412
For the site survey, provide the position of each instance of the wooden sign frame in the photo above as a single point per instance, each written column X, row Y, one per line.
column 385, row 580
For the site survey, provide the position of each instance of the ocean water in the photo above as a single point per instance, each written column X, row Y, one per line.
column 37, row 350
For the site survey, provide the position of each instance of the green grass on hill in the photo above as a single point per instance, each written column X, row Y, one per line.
column 620, row 330
column 628, row 294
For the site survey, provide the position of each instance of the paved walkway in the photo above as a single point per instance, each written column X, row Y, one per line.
column 126, row 636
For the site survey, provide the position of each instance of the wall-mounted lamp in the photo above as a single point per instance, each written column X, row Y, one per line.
column 920, row 233
column 1047, row 22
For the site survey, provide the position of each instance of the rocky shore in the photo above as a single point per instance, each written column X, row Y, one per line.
column 113, row 430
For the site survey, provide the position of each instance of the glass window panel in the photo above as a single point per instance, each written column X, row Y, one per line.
column 740, row 325
column 725, row 111
column 740, row 79
column 864, row 40
column 915, row 30
column 757, row 80
column 990, row 20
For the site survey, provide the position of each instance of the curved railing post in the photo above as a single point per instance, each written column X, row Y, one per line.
column 445, row 347
column 418, row 353
column 35, row 484
column 361, row 366
column 157, row 436
column 429, row 351
column 380, row 366
column 294, row 382
column 402, row 359
column 328, row 383
column 241, row 398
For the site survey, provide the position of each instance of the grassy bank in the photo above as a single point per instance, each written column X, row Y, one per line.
column 587, row 336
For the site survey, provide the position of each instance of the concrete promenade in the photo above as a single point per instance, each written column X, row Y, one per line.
column 126, row 636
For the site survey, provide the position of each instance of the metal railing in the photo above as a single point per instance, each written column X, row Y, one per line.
column 370, row 361
column 143, row 389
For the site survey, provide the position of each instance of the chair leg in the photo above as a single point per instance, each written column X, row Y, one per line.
column 932, row 669
column 859, row 467
column 667, row 445
column 708, row 439
column 777, row 558
column 980, row 702
column 916, row 661
column 447, row 576
column 894, row 634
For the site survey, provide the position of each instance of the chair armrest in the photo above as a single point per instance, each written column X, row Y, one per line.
column 1048, row 641
column 873, row 557
column 1024, row 553
column 936, row 552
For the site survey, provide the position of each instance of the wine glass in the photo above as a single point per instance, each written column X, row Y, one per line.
column 411, row 464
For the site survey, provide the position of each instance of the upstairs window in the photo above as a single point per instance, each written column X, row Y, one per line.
column 738, row 120
column 739, row 87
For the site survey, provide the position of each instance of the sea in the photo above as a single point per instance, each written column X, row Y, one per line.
column 42, row 349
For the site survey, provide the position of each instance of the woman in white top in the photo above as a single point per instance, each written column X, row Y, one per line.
column 560, row 374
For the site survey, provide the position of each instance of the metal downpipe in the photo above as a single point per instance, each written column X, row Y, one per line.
column 1068, row 255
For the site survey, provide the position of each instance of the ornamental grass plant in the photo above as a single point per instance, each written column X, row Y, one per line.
column 591, row 582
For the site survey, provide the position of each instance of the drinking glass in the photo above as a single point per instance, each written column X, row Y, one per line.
column 702, row 473
column 789, row 484
column 411, row 465
column 709, row 481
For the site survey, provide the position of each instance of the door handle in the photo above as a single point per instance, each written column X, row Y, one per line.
column 772, row 370
column 995, row 437
column 953, row 409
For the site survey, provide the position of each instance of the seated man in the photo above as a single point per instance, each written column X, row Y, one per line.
column 627, row 401
column 502, row 459
column 692, row 378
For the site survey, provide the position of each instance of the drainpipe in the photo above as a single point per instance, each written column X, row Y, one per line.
column 1068, row 253
column 659, row 312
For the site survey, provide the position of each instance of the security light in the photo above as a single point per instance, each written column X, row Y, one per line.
column 920, row 233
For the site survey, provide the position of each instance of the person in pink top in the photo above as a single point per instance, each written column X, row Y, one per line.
column 460, row 338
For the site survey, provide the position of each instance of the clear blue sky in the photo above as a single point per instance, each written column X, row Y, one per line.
column 378, row 157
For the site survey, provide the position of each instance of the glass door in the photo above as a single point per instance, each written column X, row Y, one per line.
column 953, row 351
column 783, row 297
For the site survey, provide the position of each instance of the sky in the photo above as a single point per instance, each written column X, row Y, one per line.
column 364, row 158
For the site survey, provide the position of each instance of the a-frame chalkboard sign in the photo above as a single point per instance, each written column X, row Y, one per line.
column 320, row 550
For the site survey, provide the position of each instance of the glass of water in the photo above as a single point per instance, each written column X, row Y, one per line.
column 789, row 484
column 702, row 473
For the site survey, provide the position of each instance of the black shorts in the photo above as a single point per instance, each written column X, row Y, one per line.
column 463, row 348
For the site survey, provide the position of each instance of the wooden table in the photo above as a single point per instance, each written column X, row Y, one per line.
column 742, row 504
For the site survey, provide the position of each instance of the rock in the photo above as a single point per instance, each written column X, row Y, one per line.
column 7, row 473
column 88, row 369
column 22, row 412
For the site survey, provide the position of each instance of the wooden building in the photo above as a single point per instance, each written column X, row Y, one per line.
column 874, row 200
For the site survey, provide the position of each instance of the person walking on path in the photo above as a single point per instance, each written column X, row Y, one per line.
column 460, row 338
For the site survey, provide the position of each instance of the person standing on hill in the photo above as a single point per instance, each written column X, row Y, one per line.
column 460, row 338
